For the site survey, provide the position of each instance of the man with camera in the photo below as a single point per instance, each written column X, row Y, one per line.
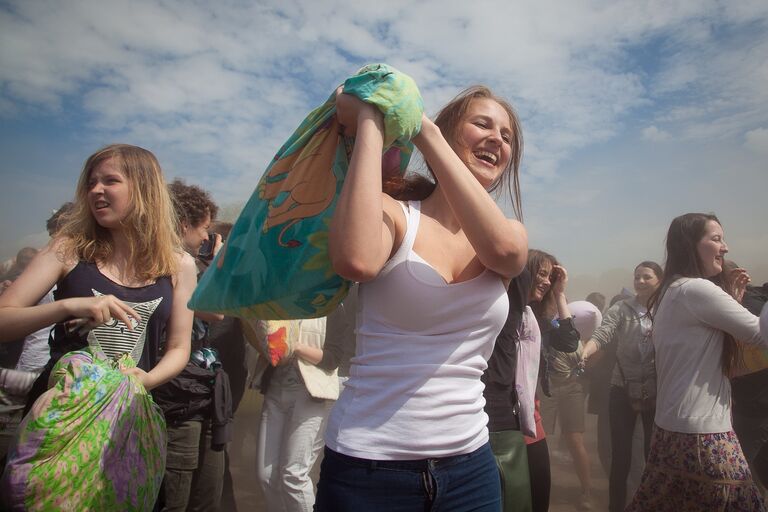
column 197, row 403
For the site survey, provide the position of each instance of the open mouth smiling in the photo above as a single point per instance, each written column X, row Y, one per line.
column 486, row 156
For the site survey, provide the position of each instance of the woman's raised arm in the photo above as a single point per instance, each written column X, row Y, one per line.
column 363, row 229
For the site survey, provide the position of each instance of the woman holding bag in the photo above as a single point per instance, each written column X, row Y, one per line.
column 118, row 245
column 121, row 280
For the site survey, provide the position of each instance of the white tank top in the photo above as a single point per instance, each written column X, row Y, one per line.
column 414, row 390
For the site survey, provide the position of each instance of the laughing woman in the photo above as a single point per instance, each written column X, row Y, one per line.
column 696, row 462
column 409, row 431
column 560, row 393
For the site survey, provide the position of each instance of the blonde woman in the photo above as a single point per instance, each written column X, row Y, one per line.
column 121, row 275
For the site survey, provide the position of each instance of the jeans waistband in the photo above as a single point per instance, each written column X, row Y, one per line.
column 410, row 465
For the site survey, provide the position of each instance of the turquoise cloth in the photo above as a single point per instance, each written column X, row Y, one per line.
column 275, row 262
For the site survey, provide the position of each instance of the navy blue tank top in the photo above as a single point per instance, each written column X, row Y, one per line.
column 152, row 302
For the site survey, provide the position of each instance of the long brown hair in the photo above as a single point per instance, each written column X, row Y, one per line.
column 545, row 309
column 418, row 187
column 150, row 225
column 683, row 236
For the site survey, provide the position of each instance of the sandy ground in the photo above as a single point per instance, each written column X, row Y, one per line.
column 247, row 494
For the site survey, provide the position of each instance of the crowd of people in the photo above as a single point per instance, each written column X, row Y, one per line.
column 434, row 384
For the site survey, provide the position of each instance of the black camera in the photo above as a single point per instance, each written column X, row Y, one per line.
column 206, row 249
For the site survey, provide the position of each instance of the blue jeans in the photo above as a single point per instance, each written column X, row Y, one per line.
column 460, row 483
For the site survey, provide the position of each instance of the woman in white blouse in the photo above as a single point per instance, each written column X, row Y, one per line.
column 696, row 462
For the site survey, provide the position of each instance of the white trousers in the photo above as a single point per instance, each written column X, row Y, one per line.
column 289, row 440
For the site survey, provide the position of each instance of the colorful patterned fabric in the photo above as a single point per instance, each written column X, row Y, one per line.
column 94, row 441
column 279, row 339
column 275, row 262
column 696, row 472
column 273, row 339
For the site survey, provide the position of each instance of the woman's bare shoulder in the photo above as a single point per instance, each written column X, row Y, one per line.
column 60, row 249
column 395, row 219
column 186, row 268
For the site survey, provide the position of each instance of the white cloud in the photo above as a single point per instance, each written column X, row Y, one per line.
column 652, row 133
column 757, row 140
column 176, row 65
column 715, row 83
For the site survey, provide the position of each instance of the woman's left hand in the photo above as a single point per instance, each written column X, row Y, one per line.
column 311, row 355
column 140, row 374
column 738, row 279
column 560, row 279
column 218, row 243
column 590, row 347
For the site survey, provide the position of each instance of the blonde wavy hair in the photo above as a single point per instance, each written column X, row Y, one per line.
column 150, row 225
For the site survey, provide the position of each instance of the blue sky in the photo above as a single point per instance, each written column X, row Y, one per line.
column 633, row 112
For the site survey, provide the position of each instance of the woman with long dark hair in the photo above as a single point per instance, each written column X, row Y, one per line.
column 558, row 337
column 696, row 462
column 409, row 431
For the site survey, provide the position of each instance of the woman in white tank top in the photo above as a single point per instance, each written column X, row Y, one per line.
column 409, row 431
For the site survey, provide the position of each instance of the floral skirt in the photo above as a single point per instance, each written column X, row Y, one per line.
column 696, row 472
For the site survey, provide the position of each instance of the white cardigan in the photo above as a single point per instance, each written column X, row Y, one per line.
column 311, row 332
column 693, row 394
column 320, row 383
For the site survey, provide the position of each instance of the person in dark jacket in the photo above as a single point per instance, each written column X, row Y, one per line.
column 198, row 403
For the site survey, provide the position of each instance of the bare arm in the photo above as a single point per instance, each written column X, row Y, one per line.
column 501, row 244
column 179, row 331
column 209, row 317
column 362, row 231
column 311, row 355
column 20, row 315
column 566, row 337
column 560, row 276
